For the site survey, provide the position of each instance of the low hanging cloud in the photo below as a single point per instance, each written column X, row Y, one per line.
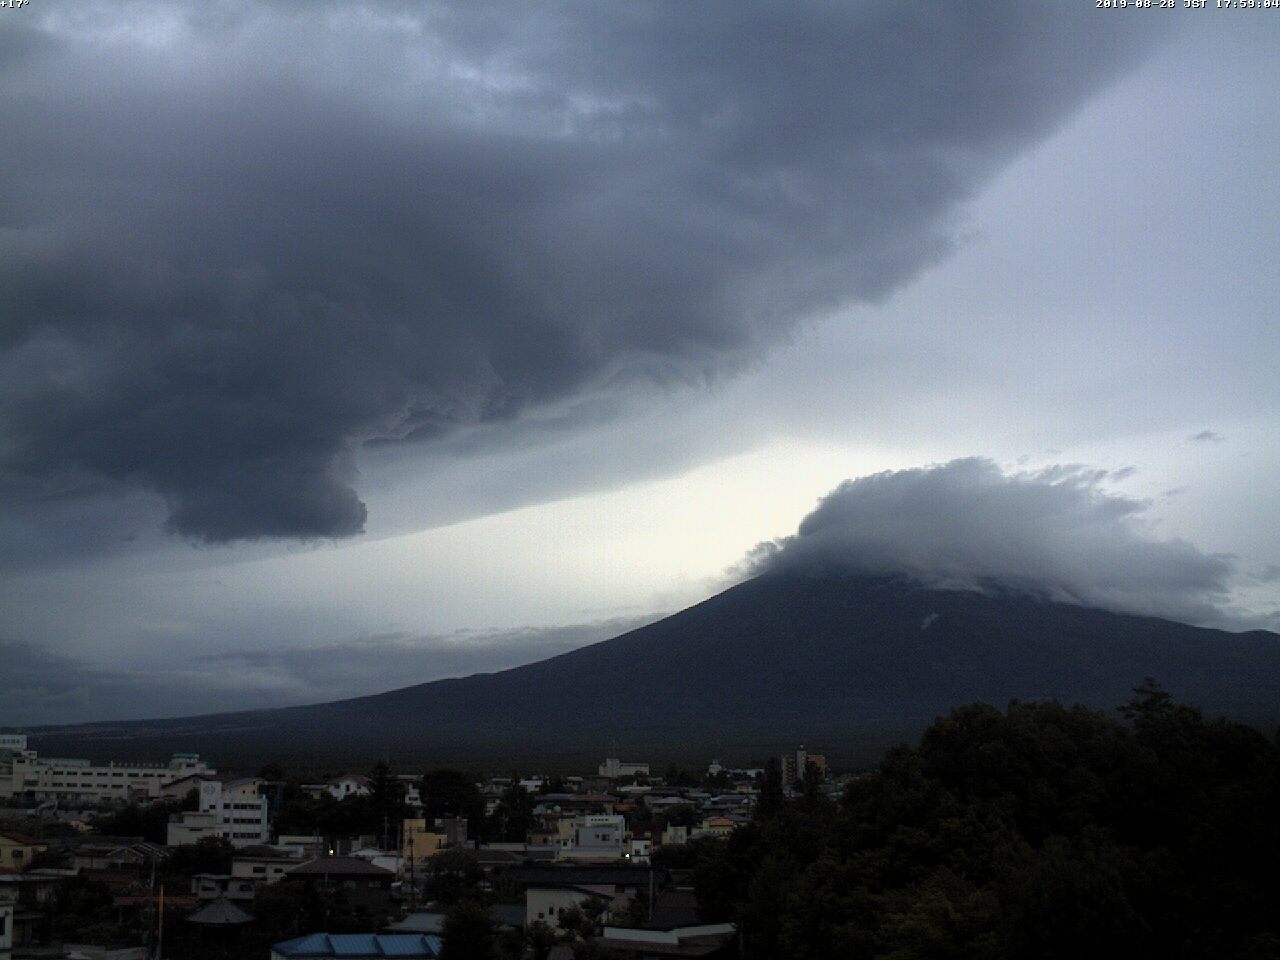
column 966, row 524
column 240, row 242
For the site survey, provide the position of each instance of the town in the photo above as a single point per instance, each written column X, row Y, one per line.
column 128, row 861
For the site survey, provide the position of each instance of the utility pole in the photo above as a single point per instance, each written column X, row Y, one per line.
column 413, row 877
column 160, row 927
column 651, row 893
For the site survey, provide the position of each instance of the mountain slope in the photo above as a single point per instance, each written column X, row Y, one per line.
column 844, row 664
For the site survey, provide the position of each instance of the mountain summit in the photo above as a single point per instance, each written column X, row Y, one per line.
column 846, row 664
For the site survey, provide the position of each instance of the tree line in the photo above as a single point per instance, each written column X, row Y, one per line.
column 1041, row 831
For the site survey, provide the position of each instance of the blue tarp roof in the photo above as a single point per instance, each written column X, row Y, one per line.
column 348, row 946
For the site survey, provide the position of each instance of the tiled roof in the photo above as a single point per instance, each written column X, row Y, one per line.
column 338, row 866
column 586, row 876
column 349, row 946
column 20, row 838
column 221, row 913
column 263, row 852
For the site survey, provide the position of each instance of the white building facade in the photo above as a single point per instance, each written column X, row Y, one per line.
column 595, row 837
column 23, row 773
column 234, row 811
column 613, row 768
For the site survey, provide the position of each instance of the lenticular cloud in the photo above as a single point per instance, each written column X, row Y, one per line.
column 967, row 524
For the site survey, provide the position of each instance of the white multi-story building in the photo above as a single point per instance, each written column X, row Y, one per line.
column 595, row 837
column 235, row 811
column 613, row 768
column 23, row 773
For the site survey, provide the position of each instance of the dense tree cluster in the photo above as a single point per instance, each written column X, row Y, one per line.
column 1039, row 832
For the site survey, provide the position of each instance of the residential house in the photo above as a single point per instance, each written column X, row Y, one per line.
column 716, row 827
column 263, row 864
column 348, row 785
column 672, row 929
column 18, row 849
column 116, row 855
column 548, row 903
column 363, row 883
column 217, row 886
column 550, row 890
column 306, row 846
column 595, row 837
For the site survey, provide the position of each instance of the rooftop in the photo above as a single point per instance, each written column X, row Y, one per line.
column 21, row 838
column 339, row 866
column 586, row 876
column 221, row 913
column 352, row 945
column 261, row 851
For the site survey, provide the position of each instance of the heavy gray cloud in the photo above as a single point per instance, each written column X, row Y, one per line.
column 966, row 524
column 241, row 242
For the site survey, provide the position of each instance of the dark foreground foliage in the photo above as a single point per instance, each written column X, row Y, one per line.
column 1041, row 832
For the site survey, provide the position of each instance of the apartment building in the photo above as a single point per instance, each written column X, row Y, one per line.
column 235, row 811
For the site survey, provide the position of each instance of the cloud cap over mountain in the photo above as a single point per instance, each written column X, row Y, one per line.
column 967, row 524
column 240, row 241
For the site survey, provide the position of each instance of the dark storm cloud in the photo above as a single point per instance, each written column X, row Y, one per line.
column 968, row 525
column 240, row 241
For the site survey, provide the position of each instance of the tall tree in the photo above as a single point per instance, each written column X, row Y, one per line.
column 451, row 793
column 469, row 932
column 513, row 817
column 771, row 792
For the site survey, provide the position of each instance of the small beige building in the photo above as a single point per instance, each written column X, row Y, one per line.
column 419, row 840
column 17, row 850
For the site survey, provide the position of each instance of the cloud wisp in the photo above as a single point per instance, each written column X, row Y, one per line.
column 239, row 243
column 967, row 524
column 1206, row 436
